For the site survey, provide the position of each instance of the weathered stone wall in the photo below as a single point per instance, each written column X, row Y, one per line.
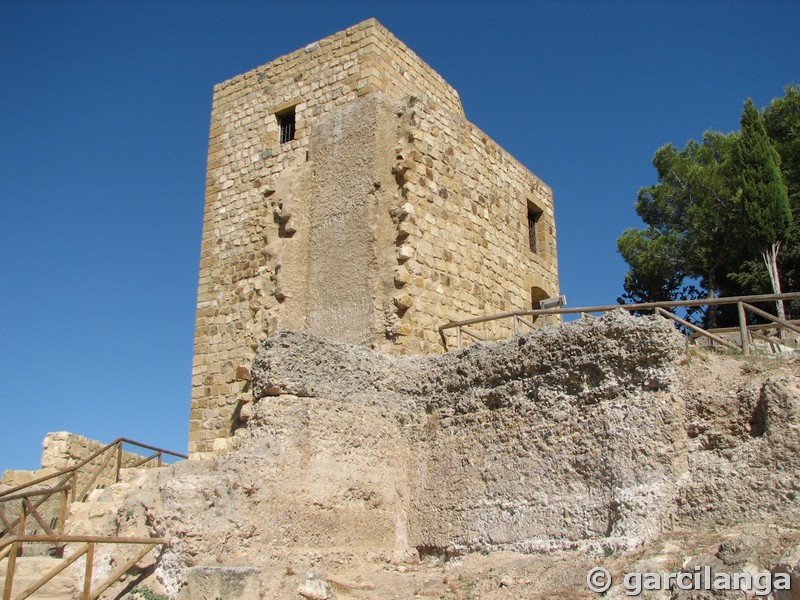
column 333, row 275
column 571, row 433
column 468, row 244
column 597, row 442
column 387, row 215
column 565, row 436
column 62, row 449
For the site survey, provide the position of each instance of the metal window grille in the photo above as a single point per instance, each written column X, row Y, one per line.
column 533, row 218
column 287, row 125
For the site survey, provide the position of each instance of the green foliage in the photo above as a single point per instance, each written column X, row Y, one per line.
column 470, row 591
column 763, row 203
column 760, row 192
column 690, row 223
column 655, row 274
column 145, row 593
column 750, row 277
column 782, row 124
column 721, row 210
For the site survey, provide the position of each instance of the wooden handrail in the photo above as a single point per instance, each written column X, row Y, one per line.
column 153, row 448
column 46, row 495
column 47, row 576
column 37, row 492
column 628, row 307
column 773, row 343
column 73, row 468
column 773, row 318
column 146, row 459
column 64, row 471
column 473, row 334
column 30, row 509
column 696, row 329
column 115, row 576
column 757, row 327
column 743, row 302
column 71, row 539
column 9, row 547
column 87, row 488
column 530, row 324
column 32, row 496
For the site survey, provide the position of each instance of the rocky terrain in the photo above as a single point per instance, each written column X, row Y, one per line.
column 503, row 470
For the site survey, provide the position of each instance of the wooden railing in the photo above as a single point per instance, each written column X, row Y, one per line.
column 36, row 513
column 11, row 548
column 42, row 505
column 744, row 305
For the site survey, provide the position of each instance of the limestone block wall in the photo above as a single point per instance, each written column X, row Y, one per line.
column 61, row 450
column 468, row 243
column 387, row 215
column 346, row 229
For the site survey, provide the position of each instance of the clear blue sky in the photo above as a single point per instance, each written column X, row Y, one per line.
column 104, row 114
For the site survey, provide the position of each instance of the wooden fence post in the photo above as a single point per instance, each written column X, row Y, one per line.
column 743, row 333
column 87, row 575
column 10, row 567
column 119, row 461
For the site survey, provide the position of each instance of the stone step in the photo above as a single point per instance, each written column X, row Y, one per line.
column 30, row 569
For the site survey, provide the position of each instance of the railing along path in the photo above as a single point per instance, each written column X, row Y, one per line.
column 11, row 548
column 744, row 305
column 36, row 513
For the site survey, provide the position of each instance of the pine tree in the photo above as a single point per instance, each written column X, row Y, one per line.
column 690, row 221
column 761, row 194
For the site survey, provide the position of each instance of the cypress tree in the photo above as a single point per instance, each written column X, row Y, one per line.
column 762, row 199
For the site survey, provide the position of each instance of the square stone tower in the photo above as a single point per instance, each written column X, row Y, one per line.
column 348, row 196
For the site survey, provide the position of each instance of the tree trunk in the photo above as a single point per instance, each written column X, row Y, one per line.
column 770, row 256
column 711, row 311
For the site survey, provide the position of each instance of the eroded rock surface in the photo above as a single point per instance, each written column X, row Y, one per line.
column 503, row 470
column 565, row 435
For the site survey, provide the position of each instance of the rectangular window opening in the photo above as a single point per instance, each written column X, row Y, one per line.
column 534, row 215
column 286, row 123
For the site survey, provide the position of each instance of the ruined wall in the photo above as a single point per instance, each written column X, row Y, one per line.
column 563, row 437
column 565, row 434
column 598, row 442
column 62, row 449
column 387, row 215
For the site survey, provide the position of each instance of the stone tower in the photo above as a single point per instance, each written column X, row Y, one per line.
column 348, row 196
